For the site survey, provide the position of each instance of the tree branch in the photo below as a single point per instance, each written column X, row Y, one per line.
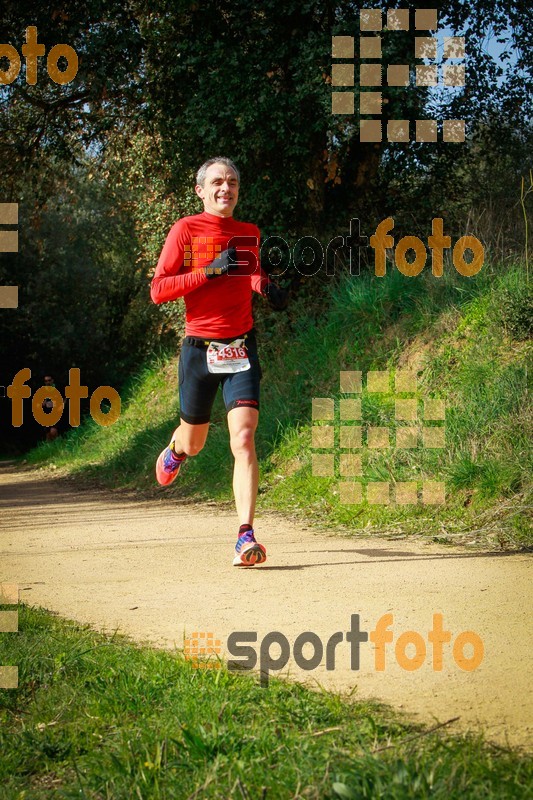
column 75, row 97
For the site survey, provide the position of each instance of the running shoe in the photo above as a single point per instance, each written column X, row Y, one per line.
column 248, row 552
column 168, row 466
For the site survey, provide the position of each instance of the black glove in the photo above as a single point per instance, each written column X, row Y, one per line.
column 278, row 298
column 225, row 262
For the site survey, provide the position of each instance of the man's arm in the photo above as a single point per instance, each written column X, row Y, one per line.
column 258, row 276
column 259, row 281
column 278, row 298
column 169, row 282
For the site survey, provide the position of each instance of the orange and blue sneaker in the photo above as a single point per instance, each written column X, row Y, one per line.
column 248, row 552
column 168, row 465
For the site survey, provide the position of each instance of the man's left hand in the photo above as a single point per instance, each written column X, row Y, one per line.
column 278, row 298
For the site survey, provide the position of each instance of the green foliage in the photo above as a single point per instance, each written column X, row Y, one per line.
column 83, row 296
column 303, row 167
column 46, row 125
column 517, row 312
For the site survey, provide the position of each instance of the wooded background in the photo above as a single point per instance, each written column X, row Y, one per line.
column 102, row 167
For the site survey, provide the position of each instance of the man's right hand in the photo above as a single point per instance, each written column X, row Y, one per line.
column 226, row 262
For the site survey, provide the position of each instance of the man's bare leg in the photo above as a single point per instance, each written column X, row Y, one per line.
column 190, row 439
column 242, row 424
column 187, row 440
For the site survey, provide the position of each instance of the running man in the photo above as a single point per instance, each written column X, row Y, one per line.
column 212, row 261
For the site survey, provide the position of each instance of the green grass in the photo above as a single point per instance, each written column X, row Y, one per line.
column 467, row 339
column 97, row 716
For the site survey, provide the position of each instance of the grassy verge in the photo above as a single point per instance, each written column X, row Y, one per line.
column 468, row 340
column 100, row 717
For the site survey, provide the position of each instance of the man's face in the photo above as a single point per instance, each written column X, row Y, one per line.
column 220, row 191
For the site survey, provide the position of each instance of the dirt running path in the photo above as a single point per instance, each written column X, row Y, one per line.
column 144, row 568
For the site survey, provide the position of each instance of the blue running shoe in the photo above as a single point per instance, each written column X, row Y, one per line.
column 168, row 466
column 248, row 552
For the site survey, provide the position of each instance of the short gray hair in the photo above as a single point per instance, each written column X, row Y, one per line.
column 200, row 175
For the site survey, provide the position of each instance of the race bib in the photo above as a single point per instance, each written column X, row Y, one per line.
column 232, row 357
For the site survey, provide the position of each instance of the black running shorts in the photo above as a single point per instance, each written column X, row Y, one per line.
column 198, row 386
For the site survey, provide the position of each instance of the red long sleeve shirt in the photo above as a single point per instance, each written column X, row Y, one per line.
column 220, row 306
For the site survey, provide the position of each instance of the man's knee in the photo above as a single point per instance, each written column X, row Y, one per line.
column 192, row 448
column 191, row 441
column 243, row 440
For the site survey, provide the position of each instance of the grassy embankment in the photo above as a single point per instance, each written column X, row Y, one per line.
column 99, row 717
column 469, row 341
